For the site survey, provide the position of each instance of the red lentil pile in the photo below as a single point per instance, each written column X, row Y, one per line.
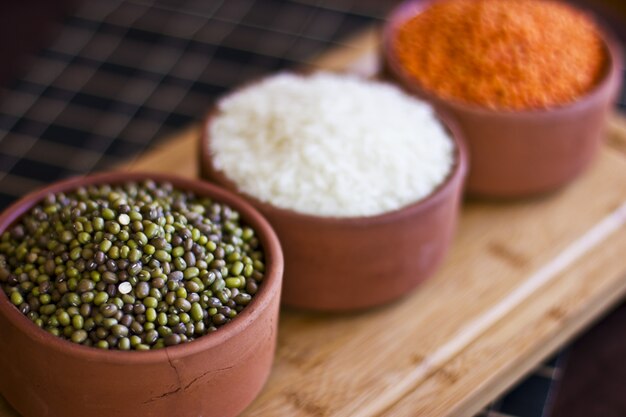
column 502, row 54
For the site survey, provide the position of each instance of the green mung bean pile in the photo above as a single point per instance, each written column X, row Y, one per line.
column 135, row 266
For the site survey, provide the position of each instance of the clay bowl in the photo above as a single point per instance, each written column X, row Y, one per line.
column 216, row 375
column 352, row 263
column 519, row 153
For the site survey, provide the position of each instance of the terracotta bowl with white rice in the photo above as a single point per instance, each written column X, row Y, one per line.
column 361, row 182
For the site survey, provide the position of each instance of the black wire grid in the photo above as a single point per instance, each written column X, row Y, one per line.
column 123, row 73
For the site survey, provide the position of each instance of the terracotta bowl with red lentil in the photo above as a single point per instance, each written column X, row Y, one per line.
column 530, row 82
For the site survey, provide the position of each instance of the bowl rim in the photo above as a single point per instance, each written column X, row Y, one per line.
column 260, row 302
column 411, row 8
column 457, row 174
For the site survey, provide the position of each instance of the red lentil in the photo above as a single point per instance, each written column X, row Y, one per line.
column 503, row 54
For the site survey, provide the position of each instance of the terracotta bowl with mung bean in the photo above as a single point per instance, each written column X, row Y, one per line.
column 518, row 153
column 131, row 294
column 341, row 264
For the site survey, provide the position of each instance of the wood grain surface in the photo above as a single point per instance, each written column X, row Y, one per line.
column 521, row 279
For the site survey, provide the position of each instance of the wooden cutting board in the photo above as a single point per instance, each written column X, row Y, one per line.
column 521, row 279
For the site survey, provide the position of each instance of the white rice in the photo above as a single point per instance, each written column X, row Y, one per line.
column 330, row 145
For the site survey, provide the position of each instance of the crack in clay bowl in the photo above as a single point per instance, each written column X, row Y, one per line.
column 215, row 375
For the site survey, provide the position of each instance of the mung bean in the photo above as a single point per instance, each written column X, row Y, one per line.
column 131, row 266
